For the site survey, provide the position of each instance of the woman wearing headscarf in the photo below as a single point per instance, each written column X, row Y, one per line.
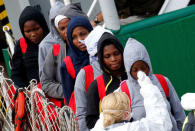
column 78, row 57
column 25, row 59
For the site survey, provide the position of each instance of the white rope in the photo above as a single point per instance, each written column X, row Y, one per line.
column 48, row 117
column 68, row 119
column 5, row 110
column 34, row 91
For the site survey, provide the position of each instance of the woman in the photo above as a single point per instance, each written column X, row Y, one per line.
column 50, row 74
column 78, row 29
column 136, row 59
column 25, row 59
column 110, row 57
column 55, row 35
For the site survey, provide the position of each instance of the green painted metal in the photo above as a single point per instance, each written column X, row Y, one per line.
column 170, row 41
column 7, row 61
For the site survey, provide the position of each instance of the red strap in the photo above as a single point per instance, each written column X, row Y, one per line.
column 39, row 85
column 23, row 45
column 69, row 66
column 72, row 103
column 89, row 76
column 163, row 83
column 101, row 87
column 125, row 89
column 56, row 49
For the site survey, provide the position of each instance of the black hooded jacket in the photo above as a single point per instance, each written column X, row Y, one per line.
column 25, row 66
column 110, row 80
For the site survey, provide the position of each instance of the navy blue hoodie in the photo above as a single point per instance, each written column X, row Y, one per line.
column 79, row 58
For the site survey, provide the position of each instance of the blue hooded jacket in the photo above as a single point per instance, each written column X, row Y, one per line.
column 79, row 58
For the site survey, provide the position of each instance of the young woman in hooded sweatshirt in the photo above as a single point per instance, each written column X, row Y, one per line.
column 110, row 57
column 55, row 36
column 78, row 29
column 25, row 59
column 50, row 74
column 136, row 58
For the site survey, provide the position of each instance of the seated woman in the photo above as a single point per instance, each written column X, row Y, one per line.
column 117, row 112
column 110, row 57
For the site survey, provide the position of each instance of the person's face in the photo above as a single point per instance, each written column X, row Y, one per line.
column 79, row 33
column 112, row 57
column 33, row 31
column 62, row 28
column 139, row 66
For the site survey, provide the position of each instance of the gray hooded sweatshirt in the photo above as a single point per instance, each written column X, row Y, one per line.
column 81, row 95
column 49, row 65
column 133, row 52
column 54, row 37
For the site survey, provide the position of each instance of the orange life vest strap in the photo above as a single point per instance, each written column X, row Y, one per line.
column 56, row 49
column 20, row 112
column 23, row 45
column 89, row 76
column 125, row 89
column 101, row 87
column 69, row 66
column 163, row 83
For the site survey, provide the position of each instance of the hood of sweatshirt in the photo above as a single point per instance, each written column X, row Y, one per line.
column 107, row 38
column 32, row 13
column 69, row 11
column 135, row 51
column 79, row 58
